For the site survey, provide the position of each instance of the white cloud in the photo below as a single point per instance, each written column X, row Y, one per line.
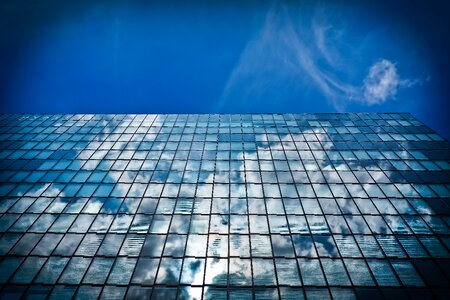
column 382, row 83
column 281, row 55
column 298, row 53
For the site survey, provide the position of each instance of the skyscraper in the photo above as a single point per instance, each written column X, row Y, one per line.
column 267, row 206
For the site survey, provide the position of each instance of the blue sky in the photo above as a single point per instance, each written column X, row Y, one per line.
column 226, row 57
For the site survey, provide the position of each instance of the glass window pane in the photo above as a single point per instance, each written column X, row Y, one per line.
column 282, row 246
column 278, row 224
column 261, row 246
column 26, row 244
column 196, row 245
column 111, row 245
column 47, row 244
column 153, row 245
column 169, row 271
column 359, row 272
column 240, row 272
column 216, row 271
column 51, row 270
column 193, row 271
column 239, row 245
column 28, row 269
column 218, row 245
column 383, row 273
column 175, row 245
column 390, row 246
column 263, row 272
column 68, row 244
column 335, row 272
column 287, row 272
column 98, row 270
column 311, row 272
column 145, row 272
column 122, row 271
column 304, row 246
column 75, row 270
column 407, row 273
column 238, row 224
column 298, row 224
column 132, row 245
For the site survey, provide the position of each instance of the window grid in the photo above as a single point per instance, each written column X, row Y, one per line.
column 222, row 205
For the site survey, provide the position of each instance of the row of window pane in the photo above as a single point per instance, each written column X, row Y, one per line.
column 219, row 245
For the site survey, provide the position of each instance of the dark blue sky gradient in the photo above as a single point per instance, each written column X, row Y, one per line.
column 225, row 57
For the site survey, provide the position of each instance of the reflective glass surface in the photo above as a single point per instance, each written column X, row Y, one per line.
column 262, row 206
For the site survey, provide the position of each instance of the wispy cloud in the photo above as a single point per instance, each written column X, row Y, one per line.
column 288, row 54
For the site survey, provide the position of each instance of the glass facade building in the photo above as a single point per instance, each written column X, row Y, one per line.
column 267, row 206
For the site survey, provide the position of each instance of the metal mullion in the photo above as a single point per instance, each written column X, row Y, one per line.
column 331, row 233
column 372, row 234
column 173, row 213
column 28, row 285
column 136, row 213
column 252, row 287
column 227, row 287
column 154, row 214
column 285, row 213
column 247, row 215
column 268, row 225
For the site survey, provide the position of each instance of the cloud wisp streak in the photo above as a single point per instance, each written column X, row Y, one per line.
column 293, row 53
